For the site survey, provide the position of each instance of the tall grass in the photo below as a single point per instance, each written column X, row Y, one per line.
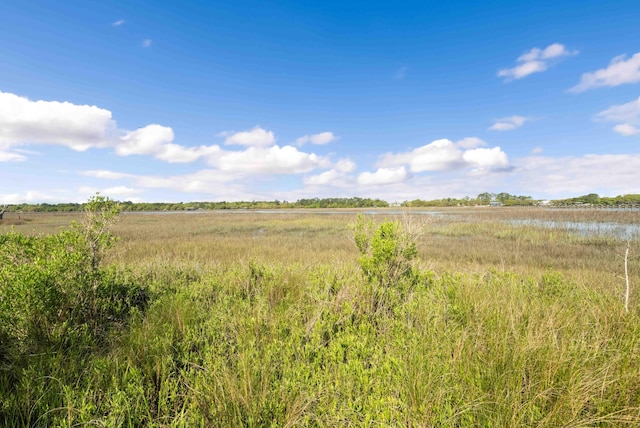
column 266, row 320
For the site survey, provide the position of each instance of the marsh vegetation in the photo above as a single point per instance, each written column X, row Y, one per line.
column 465, row 317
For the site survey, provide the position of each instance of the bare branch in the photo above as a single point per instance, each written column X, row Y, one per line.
column 626, row 277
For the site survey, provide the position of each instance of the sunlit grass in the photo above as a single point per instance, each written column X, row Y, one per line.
column 265, row 319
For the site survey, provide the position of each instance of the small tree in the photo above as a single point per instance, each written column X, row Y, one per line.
column 100, row 214
column 387, row 253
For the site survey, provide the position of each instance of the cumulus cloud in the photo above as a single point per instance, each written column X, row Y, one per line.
column 383, row 176
column 508, row 123
column 156, row 140
column 81, row 127
column 331, row 177
column 270, row 160
column 470, row 143
column 336, row 176
column 78, row 127
column 535, row 61
column 321, row 138
column 444, row 155
column 24, row 122
column 626, row 115
column 209, row 181
column 436, row 156
column 484, row 160
column 144, row 141
column 609, row 174
column 257, row 137
column 619, row 72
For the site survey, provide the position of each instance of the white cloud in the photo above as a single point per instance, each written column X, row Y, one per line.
column 330, row 177
column 30, row 196
column 337, row 176
column 223, row 185
column 626, row 115
column 78, row 127
column 156, row 140
column 552, row 51
column 444, row 155
column 619, row 72
column 11, row 157
column 486, row 159
column 345, row 165
column 523, row 70
column 574, row 175
column 271, row 160
column 321, row 138
column 537, row 150
column 108, row 175
column 508, row 123
column 118, row 23
column 257, row 137
column 628, row 112
column 626, row 130
column 81, row 127
column 119, row 193
column 146, row 43
column 175, row 153
column 144, row 141
column 535, row 61
column 470, row 143
column 383, row 176
column 436, row 156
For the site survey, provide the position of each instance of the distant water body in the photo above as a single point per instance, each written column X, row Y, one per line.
column 586, row 228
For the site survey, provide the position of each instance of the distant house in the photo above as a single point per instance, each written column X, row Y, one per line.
column 495, row 203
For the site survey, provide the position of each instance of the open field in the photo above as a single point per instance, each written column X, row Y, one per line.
column 265, row 318
column 451, row 239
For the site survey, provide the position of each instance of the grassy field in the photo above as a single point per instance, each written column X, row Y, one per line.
column 266, row 319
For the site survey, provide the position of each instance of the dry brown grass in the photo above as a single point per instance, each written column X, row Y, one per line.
column 455, row 239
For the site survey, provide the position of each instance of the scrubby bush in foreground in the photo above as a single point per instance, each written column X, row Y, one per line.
column 57, row 303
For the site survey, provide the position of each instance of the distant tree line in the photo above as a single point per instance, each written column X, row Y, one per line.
column 594, row 199
column 354, row 202
column 485, row 198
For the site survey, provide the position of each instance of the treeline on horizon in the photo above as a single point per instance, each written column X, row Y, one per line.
column 485, row 198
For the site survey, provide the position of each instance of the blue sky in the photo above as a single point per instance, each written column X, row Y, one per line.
column 257, row 100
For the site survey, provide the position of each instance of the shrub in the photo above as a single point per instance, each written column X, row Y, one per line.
column 55, row 296
column 387, row 254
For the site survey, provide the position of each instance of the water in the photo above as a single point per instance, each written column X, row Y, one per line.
column 587, row 228
column 342, row 211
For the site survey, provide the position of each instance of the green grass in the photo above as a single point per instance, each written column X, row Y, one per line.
column 266, row 320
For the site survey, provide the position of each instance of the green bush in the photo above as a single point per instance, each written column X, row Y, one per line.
column 54, row 295
column 387, row 254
